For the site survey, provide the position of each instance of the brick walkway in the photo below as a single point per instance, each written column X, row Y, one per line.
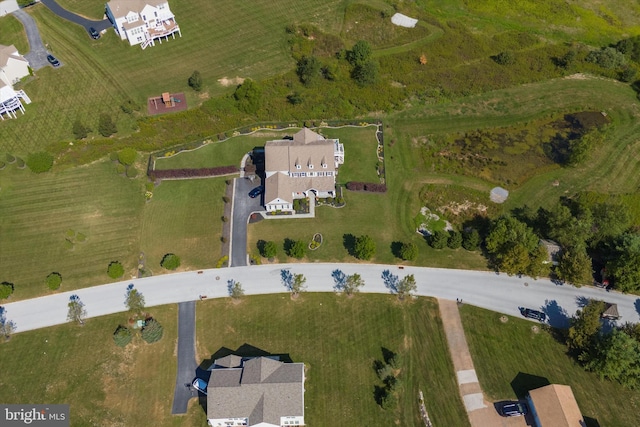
column 480, row 411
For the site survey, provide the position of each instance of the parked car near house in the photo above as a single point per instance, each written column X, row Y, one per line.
column 53, row 61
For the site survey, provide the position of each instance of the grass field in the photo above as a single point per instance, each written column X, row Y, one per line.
column 510, row 359
column 98, row 75
column 43, row 216
column 12, row 33
column 611, row 168
column 338, row 339
column 102, row 383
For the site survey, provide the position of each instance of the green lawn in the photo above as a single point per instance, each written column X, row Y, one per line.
column 98, row 75
column 184, row 217
column 38, row 213
column 42, row 218
column 12, row 33
column 102, row 383
column 511, row 359
column 338, row 339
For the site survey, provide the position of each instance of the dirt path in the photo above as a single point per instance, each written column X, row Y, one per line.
column 480, row 411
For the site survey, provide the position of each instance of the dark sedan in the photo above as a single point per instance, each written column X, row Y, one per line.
column 256, row 192
column 53, row 61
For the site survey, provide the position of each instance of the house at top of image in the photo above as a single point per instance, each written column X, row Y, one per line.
column 301, row 167
column 142, row 21
column 259, row 391
column 13, row 67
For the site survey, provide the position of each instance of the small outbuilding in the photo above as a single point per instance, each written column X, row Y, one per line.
column 554, row 406
column 610, row 311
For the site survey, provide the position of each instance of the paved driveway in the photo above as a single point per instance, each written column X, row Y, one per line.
column 76, row 19
column 187, row 364
column 37, row 55
column 243, row 206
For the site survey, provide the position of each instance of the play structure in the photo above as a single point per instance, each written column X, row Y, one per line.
column 167, row 103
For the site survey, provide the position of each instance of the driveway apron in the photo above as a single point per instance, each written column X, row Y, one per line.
column 187, row 364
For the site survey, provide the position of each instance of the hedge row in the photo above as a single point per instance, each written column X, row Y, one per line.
column 366, row 186
column 192, row 173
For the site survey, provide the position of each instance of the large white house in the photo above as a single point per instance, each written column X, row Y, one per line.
column 13, row 67
column 142, row 21
column 295, row 167
column 260, row 392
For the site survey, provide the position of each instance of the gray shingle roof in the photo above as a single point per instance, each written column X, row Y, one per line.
column 265, row 391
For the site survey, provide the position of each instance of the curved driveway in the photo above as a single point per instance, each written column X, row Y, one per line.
column 76, row 19
column 37, row 55
column 499, row 293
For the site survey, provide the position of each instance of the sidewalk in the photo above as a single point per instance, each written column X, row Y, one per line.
column 480, row 411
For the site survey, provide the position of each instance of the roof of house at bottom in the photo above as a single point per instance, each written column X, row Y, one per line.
column 556, row 406
column 262, row 390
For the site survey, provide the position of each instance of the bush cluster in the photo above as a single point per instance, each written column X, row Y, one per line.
column 115, row 269
column 40, row 162
column 6, row 289
column 122, row 336
column 152, row 331
column 366, row 186
column 190, row 173
column 54, row 280
column 170, row 261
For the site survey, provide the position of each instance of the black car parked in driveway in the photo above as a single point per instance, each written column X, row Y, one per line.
column 256, row 192
column 93, row 33
column 513, row 409
column 53, row 61
column 533, row 314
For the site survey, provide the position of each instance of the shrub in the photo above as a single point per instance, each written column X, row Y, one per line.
column 122, row 336
column 152, row 331
column 170, row 261
column 409, row 251
column 80, row 237
column 366, row 74
column 113, row 157
column 455, row 239
column 222, row 261
column 471, row 240
column 295, row 248
column 6, row 289
column 607, row 57
column 40, row 162
column 248, row 95
column 504, row 58
column 129, row 106
column 269, row 249
column 439, row 239
column 371, row 187
column 308, row 70
column 19, row 163
column 131, row 172
column 365, row 247
column 127, row 156
column 195, row 81
column 115, row 269
column 79, row 130
column 121, row 169
column 10, row 158
column 2, row 165
column 106, row 127
column 359, row 53
column 189, row 173
column 54, row 280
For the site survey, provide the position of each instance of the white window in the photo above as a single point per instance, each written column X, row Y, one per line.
column 324, row 165
column 310, row 166
column 298, row 167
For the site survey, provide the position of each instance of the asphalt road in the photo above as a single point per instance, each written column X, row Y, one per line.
column 187, row 364
column 499, row 293
column 76, row 19
column 243, row 206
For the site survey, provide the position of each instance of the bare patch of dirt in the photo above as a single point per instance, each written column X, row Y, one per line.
column 459, row 208
column 225, row 81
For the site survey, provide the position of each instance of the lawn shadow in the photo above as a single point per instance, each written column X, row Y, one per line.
column 288, row 245
column 637, row 305
column 396, row 249
column 390, row 281
column 591, row 422
column 349, row 243
column 557, row 316
column 523, row 382
column 287, row 279
column 261, row 244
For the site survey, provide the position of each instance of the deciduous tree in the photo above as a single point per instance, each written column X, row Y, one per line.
column 406, row 287
column 365, row 247
column 585, row 327
column 134, row 300
column 76, row 311
column 115, row 269
column 352, row 284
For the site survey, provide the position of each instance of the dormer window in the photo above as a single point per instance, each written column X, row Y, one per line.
column 324, row 165
column 298, row 167
column 310, row 166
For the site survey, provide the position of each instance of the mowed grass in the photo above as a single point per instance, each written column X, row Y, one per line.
column 230, row 39
column 12, row 33
column 102, row 383
column 42, row 216
column 612, row 167
column 510, row 359
column 338, row 339
column 37, row 212
column 184, row 217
